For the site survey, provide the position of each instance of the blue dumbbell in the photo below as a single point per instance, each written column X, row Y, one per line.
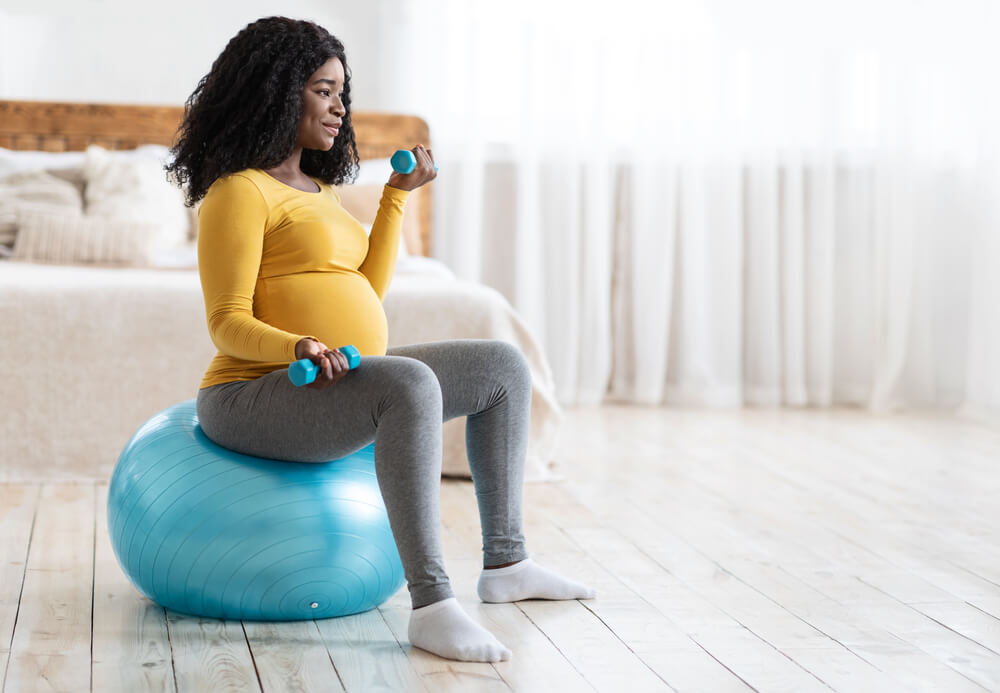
column 403, row 161
column 304, row 371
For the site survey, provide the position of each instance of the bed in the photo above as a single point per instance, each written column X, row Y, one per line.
column 90, row 349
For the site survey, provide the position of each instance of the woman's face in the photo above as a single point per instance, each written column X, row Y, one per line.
column 322, row 109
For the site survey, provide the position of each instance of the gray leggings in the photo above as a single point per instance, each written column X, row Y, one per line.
column 400, row 401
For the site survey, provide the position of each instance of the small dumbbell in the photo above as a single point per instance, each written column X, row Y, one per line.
column 403, row 161
column 304, row 371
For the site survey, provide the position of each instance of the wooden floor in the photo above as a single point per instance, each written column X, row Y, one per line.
column 769, row 551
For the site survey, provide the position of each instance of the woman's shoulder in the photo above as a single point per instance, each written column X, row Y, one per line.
column 240, row 183
column 246, row 177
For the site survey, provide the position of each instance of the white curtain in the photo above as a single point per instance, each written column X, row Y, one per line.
column 723, row 203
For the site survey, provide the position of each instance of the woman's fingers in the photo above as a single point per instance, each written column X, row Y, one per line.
column 325, row 374
column 321, row 377
column 424, row 159
column 338, row 361
column 333, row 366
column 432, row 168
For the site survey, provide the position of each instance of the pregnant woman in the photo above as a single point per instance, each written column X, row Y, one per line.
column 287, row 274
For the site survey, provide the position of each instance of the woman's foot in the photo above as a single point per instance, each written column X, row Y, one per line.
column 446, row 630
column 528, row 580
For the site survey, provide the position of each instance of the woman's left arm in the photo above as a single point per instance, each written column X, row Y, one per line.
column 384, row 240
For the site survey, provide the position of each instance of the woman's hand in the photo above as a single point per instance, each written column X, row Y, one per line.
column 331, row 363
column 422, row 173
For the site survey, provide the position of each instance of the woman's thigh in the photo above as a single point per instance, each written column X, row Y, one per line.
column 272, row 418
column 472, row 373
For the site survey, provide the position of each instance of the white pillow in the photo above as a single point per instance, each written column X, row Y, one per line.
column 47, row 236
column 14, row 161
column 34, row 189
column 133, row 187
column 39, row 187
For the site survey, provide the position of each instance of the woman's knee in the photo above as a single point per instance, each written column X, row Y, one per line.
column 415, row 383
column 507, row 358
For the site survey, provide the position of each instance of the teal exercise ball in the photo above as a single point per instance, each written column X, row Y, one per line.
column 207, row 531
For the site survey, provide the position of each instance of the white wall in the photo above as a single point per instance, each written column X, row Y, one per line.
column 121, row 51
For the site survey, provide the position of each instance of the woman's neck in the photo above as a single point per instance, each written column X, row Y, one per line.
column 290, row 172
column 290, row 167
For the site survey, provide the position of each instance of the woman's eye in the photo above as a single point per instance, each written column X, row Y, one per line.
column 324, row 92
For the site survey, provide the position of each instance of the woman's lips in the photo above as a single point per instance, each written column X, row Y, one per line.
column 332, row 130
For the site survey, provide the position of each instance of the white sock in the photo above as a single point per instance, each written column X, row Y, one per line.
column 528, row 580
column 446, row 630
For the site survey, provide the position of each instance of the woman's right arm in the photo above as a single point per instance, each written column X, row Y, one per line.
column 231, row 222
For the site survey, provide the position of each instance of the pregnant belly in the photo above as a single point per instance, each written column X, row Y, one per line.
column 337, row 308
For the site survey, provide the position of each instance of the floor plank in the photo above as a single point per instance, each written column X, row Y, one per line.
column 538, row 665
column 367, row 655
column 210, row 655
column 131, row 649
column 18, row 503
column 291, row 657
column 966, row 620
column 50, row 650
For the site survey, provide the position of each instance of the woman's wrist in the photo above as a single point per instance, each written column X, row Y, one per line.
column 299, row 344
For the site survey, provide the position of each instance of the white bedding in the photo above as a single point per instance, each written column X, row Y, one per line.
column 87, row 354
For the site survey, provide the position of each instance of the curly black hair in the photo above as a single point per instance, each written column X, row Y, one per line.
column 245, row 112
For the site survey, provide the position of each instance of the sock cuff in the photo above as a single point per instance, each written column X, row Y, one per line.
column 433, row 608
column 516, row 568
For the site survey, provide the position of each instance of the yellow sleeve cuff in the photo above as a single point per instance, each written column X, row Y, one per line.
column 395, row 193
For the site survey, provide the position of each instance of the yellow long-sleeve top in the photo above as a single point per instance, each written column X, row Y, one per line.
column 278, row 264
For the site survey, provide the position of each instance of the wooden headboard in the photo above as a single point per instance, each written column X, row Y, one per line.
column 57, row 127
